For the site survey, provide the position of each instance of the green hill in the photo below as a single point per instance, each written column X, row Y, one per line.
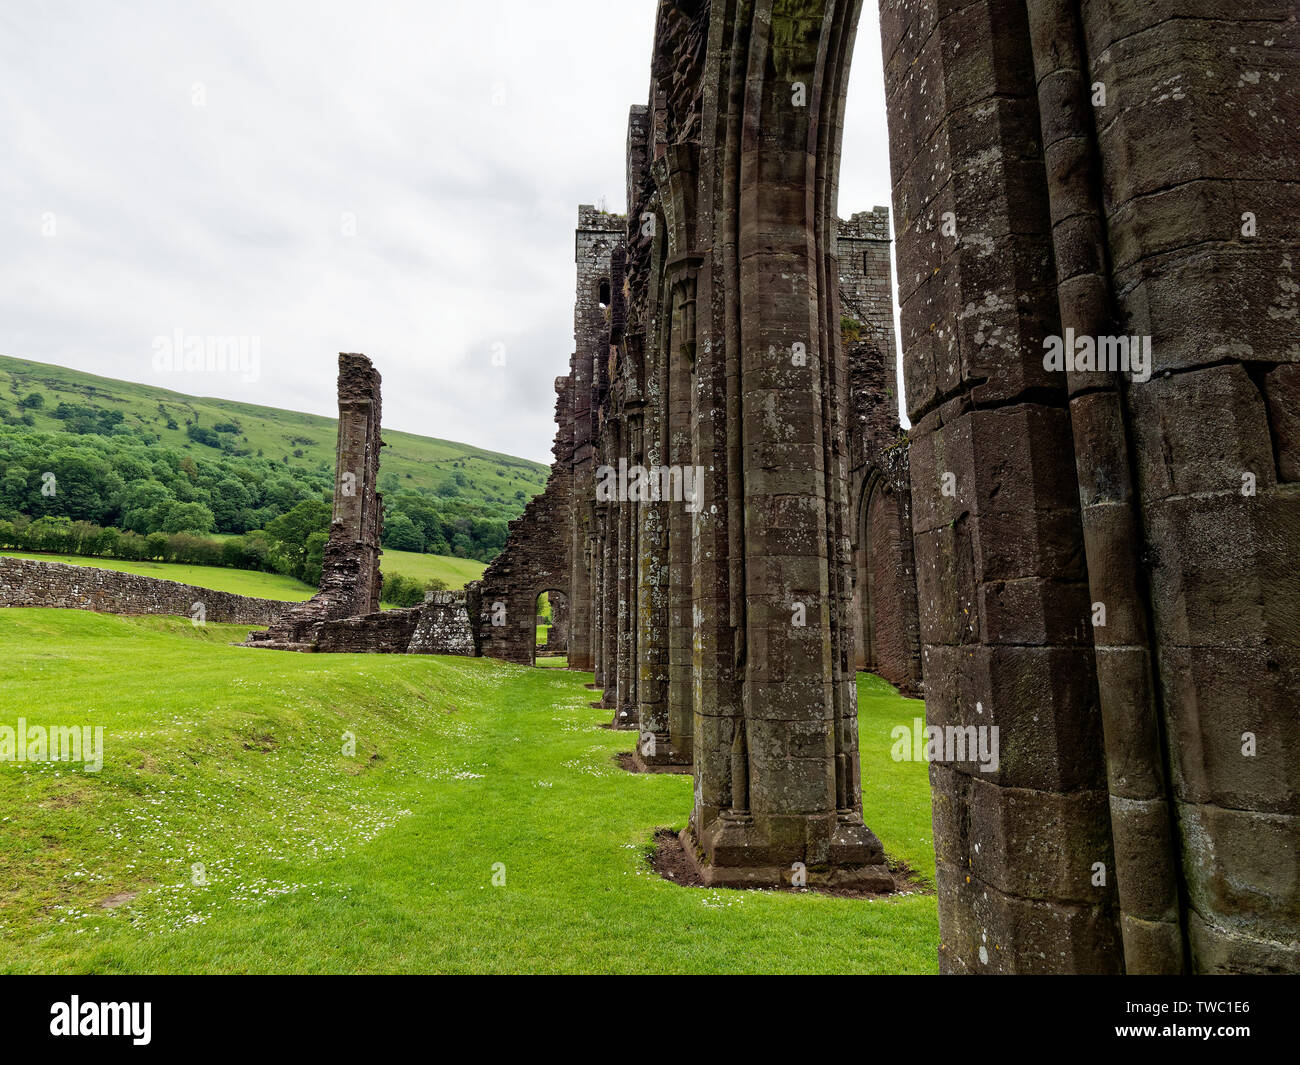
column 490, row 483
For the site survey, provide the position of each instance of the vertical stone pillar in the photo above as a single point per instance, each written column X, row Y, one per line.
column 999, row 549
column 350, row 580
column 1202, row 223
column 598, row 235
column 770, row 145
column 350, row 567
column 609, row 607
column 625, row 714
column 679, row 363
column 597, row 556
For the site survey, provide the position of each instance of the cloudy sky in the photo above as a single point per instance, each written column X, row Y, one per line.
column 399, row 179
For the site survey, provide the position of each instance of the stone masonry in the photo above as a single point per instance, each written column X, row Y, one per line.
column 1056, row 546
column 887, row 637
column 1108, row 562
column 29, row 582
column 349, row 584
column 1077, row 574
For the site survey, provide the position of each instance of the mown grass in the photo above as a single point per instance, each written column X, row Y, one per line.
column 382, row 861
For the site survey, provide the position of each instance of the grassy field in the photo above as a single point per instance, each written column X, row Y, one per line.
column 302, row 440
column 455, row 571
column 228, row 830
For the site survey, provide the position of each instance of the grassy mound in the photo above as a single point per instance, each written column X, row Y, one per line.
column 230, row 831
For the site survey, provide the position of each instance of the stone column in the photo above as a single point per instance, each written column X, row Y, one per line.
column 999, row 549
column 773, row 108
column 350, row 581
column 1201, row 208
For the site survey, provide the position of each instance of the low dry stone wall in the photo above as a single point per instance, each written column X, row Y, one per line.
column 26, row 582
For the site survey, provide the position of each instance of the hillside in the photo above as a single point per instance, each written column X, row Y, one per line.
column 489, row 483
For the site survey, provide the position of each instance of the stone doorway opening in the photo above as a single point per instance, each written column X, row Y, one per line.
column 551, row 630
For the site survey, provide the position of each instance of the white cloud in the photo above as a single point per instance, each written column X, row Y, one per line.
column 461, row 137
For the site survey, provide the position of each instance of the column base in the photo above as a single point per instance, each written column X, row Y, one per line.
column 837, row 851
column 626, row 718
column 664, row 760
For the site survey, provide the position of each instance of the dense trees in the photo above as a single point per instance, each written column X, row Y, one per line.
column 128, row 496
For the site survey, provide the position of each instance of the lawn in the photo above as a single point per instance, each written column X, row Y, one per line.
column 230, row 831
column 455, row 571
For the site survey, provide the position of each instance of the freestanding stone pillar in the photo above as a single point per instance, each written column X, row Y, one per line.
column 350, row 580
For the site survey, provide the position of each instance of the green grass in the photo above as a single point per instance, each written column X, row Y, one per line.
column 409, row 460
column 317, row 861
column 455, row 571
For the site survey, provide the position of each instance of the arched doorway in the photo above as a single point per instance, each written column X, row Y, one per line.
column 551, row 629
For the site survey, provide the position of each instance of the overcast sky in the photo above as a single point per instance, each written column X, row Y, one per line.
column 399, row 179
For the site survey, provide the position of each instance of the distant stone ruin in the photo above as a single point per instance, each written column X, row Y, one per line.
column 344, row 615
column 350, row 580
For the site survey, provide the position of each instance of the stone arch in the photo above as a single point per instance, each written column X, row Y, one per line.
column 554, row 639
column 884, row 593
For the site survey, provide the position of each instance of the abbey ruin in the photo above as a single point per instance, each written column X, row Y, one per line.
column 1100, row 564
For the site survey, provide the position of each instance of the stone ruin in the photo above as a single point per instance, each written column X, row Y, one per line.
column 344, row 614
column 349, row 584
column 1052, row 551
column 1073, row 565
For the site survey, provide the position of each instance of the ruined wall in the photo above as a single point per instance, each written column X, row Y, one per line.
column 1113, row 594
column 536, row 555
column 866, row 282
column 441, row 625
column 26, row 583
column 886, row 623
column 598, row 235
column 349, row 584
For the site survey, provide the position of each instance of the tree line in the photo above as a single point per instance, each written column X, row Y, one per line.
column 122, row 496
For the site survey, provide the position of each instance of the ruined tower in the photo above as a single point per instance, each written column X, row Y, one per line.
column 598, row 235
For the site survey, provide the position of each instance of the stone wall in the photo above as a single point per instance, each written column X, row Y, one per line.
column 1108, row 560
column 536, row 555
column 441, row 625
column 887, row 638
column 598, row 235
column 26, row 583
